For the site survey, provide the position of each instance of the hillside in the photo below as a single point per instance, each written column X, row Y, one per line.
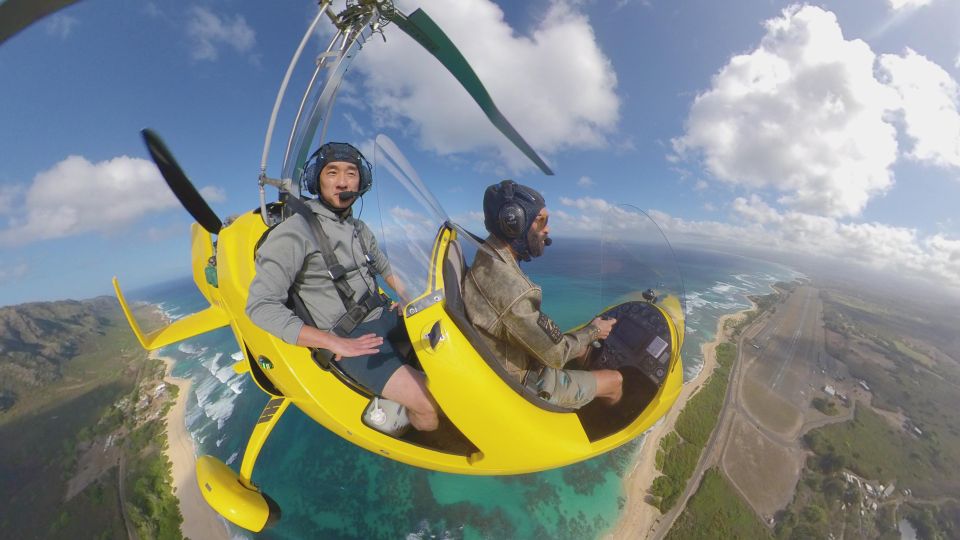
column 38, row 339
column 84, row 408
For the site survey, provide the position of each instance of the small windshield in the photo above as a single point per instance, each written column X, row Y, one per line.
column 409, row 217
column 638, row 263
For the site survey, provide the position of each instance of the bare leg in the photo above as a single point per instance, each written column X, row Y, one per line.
column 407, row 387
column 609, row 385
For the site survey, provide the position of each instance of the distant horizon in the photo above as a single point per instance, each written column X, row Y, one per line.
column 899, row 286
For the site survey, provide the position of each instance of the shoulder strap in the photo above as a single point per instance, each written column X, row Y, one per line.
column 336, row 270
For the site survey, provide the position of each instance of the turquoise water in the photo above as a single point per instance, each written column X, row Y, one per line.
column 330, row 489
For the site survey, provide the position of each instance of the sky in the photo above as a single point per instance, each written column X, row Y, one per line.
column 814, row 130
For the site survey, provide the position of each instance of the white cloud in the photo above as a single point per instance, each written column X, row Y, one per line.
column 213, row 194
column 929, row 99
column 802, row 113
column 585, row 181
column 755, row 210
column 11, row 272
column 898, row 5
column 152, row 9
column 901, row 250
column 9, row 195
column 701, row 185
column 76, row 196
column 61, row 25
column 587, row 203
column 208, row 31
column 553, row 83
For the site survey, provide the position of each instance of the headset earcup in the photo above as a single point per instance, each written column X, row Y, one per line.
column 512, row 219
column 310, row 177
column 366, row 175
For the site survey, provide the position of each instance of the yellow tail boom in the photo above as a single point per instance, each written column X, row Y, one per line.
column 180, row 329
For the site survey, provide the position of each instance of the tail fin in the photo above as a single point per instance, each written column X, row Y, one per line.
column 187, row 327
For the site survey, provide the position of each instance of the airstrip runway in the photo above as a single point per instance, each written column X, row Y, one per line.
column 780, row 370
column 781, row 367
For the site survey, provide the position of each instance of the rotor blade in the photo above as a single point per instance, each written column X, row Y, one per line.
column 188, row 195
column 15, row 15
column 424, row 31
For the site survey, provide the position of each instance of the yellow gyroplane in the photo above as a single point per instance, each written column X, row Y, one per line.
column 492, row 425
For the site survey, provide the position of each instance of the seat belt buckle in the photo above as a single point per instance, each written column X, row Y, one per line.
column 336, row 271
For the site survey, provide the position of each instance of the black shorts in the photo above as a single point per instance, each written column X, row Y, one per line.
column 373, row 371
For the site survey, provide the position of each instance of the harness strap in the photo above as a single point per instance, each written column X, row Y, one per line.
column 335, row 270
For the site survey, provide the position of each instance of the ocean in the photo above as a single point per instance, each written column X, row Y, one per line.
column 330, row 489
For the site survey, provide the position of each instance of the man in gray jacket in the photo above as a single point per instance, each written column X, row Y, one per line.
column 504, row 305
column 291, row 256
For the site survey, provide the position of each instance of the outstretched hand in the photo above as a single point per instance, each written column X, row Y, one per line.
column 359, row 346
column 604, row 325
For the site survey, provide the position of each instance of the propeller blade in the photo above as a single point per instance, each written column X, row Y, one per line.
column 424, row 31
column 188, row 195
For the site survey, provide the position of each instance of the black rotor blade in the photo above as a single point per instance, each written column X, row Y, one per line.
column 15, row 15
column 424, row 31
column 188, row 195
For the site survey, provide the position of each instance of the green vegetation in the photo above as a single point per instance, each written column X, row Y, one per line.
column 871, row 447
column 152, row 506
column 926, row 395
column 764, row 303
column 826, row 406
column 916, row 355
column 717, row 511
column 901, row 351
column 680, row 450
column 824, row 504
column 78, row 370
column 933, row 522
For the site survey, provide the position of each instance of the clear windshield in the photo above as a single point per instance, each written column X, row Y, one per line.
column 638, row 263
column 580, row 277
column 410, row 217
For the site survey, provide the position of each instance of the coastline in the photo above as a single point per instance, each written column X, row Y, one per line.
column 199, row 520
column 638, row 515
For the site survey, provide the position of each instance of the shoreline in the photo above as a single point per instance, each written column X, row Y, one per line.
column 199, row 520
column 638, row 516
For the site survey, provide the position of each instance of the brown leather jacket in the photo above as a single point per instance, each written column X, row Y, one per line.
column 504, row 305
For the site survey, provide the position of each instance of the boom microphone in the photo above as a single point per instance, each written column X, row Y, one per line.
column 547, row 241
column 344, row 195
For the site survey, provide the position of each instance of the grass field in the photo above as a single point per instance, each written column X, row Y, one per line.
column 717, row 511
column 764, row 471
column 914, row 354
column 772, row 410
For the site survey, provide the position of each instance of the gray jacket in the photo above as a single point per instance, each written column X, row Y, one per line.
column 291, row 256
column 504, row 305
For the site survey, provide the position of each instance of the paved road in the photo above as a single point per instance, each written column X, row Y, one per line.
column 710, row 455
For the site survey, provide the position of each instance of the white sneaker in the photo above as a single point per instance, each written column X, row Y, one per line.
column 387, row 417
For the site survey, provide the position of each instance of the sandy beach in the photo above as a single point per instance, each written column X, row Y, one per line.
column 638, row 515
column 199, row 520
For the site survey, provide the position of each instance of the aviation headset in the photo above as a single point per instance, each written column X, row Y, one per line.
column 509, row 209
column 335, row 151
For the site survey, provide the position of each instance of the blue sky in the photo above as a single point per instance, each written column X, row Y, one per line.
column 828, row 129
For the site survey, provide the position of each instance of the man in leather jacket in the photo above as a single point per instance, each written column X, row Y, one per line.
column 504, row 305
